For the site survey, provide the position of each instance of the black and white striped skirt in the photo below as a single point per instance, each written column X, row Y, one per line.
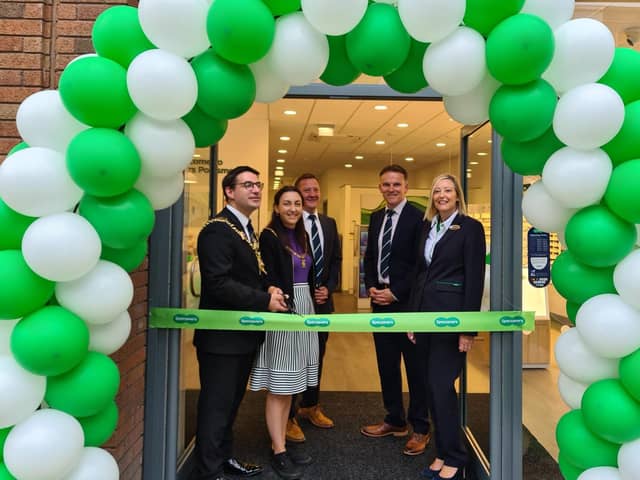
column 287, row 362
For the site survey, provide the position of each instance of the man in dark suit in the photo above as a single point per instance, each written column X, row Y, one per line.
column 327, row 257
column 389, row 260
column 232, row 279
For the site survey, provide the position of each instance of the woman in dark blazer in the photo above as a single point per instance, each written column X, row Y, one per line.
column 450, row 277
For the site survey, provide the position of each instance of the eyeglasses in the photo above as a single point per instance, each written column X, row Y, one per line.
column 250, row 185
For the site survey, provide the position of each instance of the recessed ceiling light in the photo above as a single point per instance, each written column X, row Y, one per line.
column 279, row 168
column 468, row 174
column 282, row 150
column 196, row 155
column 289, row 112
column 190, row 181
column 469, row 170
column 409, row 159
column 279, row 173
column 380, row 107
column 450, row 119
column 482, row 154
column 347, row 165
column 280, row 160
column 440, row 144
column 285, row 139
column 379, row 142
column 489, row 141
column 474, row 163
column 402, row 125
column 358, row 157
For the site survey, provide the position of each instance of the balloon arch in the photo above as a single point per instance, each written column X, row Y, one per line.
column 101, row 153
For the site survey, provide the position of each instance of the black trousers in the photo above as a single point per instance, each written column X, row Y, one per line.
column 311, row 395
column 443, row 362
column 223, row 382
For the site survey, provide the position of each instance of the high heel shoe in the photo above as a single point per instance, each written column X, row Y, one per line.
column 457, row 476
column 428, row 473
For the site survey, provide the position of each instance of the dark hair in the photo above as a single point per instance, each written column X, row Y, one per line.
column 305, row 176
column 277, row 225
column 230, row 178
column 394, row 168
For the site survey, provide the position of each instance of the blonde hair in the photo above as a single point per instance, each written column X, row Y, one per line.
column 460, row 203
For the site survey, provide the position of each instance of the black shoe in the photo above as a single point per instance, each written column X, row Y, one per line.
column 299, row 456
column 235, row 467
column 284, row 467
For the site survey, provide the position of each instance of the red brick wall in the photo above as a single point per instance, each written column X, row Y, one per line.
column 37, row 39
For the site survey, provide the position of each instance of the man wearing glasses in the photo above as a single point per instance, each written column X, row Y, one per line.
column 232, row 279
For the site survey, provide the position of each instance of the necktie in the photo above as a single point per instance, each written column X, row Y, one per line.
column 316, row 246
column 252, row 233
column 385, row 253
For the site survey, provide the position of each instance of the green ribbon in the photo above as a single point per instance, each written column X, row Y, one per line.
column 509, row 321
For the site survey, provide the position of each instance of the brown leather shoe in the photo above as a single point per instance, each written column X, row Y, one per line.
column 294, row 432
column 383, row 429
column 316, row 416
column 417, row 443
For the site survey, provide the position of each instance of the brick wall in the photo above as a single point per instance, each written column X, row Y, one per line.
column 37, row 39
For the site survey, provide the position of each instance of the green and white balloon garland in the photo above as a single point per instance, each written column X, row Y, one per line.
column 107, row 148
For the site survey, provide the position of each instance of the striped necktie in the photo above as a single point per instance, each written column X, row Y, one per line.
column 252, row 233
column 385, row 253
column 316, row 246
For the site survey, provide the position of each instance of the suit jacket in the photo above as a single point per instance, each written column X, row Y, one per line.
column 404, row 244
column 455, row 278
column 332, row 255
column 231, row 280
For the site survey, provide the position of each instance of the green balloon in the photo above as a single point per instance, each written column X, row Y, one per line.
column 240, row 31
column 12, row 227
column 379, row 44
column 51, row 341
column 626, row 144
column 568, row 470
column 629, row 368
column 520, row 49
column 117, row 35
column 94, row 90
column 18, row 147
column 528, row 158
column 623, row 195
column 98, row 428
column 339, row 71
column 409, row 78
column 610, row 412
column 103, row 162
column 22, row 290
column 127, row 258
column 598, row 238
column 4, row 432
column 521, row 113
column 4, row 473
column 565, row 271
column 622, row 74
column 572, row 311
column 124, row 221
column 582, row 448
column 87, row 389
column 206, row 130
column 225, row 89
column 282, row 7
column 484, row 15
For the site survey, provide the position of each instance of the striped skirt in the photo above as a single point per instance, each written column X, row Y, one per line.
column 287, row 362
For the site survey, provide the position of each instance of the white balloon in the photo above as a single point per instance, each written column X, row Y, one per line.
column 588, row 116
column 165, row 147
column 100, row 295
column 600, row 473
column 584, row 50
column 554, row 12
column 472, row 108
column 269, row 86
column 109, row 337
column 580, row 363
column 35, row 182
column 162, row 192
column 43, row 121
column 629, row 460
column 6, row 327
column 609, row 326
column 61, row 247
column 95, row 464
column 299, row 53
column 177, row 26
column 22, row 391
column 571, row 391
column 334, row 17
column 456, row 64
column 431, row 20
column 542, row 211
column 162, row 84
column 45, row 446
column 626, row 278
column 577, row 178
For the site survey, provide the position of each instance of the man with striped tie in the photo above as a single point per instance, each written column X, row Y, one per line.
column 327, row 259
column 389, row 261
